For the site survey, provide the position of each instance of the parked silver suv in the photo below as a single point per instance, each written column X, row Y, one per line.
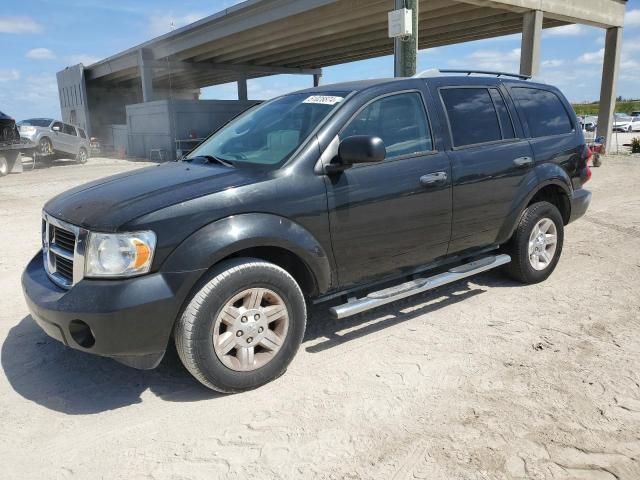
column 55, row 138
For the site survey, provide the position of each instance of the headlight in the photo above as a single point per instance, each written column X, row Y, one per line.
column 119, row 254
column 28, row 130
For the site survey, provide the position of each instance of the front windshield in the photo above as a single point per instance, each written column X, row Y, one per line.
column 35, row 122
column 269, row 133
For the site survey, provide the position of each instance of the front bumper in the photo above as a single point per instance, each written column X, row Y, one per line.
column 580, row 202
column 129, row 320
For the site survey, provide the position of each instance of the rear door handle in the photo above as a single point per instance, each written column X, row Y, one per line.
column 523, row 161
column 433, row 178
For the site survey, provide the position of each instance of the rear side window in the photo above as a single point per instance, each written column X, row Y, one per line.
column 69, row 130
column 472, row 116
column 544, row 112
column 399, row 120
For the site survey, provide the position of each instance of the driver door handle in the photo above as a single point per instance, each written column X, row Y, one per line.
column 523, row 161
column 433, row 178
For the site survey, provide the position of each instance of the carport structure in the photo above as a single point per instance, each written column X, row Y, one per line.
column 259, row 38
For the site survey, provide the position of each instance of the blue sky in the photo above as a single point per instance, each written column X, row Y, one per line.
column 40, row 37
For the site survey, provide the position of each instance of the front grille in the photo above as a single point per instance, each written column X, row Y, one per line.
column 63, row 238
column 64, row 267
column 60, row 247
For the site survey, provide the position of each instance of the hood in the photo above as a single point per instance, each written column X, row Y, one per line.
column 106, row 204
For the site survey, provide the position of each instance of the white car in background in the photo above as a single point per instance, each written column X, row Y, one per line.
column 626, row 123
column 54, row 138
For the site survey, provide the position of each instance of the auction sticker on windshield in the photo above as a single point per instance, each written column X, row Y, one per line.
column 324, row 99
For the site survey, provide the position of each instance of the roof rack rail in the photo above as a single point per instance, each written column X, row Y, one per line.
column 487, row 72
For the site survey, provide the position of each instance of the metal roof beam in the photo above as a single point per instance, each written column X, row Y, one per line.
column 240, row 68
column 589, row 12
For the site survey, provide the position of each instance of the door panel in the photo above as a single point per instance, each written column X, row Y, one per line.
column 393, row 215
column 384, row 220
column 70, row 139
column 490, row 166
column 58, row 138
column 486, row 183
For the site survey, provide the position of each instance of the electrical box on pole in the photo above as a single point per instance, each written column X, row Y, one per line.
column 400, row 23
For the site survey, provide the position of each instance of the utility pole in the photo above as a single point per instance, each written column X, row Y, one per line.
column 406, row 48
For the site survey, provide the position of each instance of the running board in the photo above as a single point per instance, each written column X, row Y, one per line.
column 419, row 285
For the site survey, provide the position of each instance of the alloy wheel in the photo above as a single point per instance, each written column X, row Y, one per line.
column 543, row 242
column 250, row 329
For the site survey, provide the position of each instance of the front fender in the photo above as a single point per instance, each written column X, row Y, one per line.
column 546, row 174
column 227, row 236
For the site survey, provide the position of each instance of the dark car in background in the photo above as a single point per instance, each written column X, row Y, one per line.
column 9, row 134
column 10, row 144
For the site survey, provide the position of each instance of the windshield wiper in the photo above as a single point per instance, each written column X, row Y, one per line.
column 212, row 159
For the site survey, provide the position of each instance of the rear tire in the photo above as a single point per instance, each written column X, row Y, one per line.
column 243, row 327
column 536, row 245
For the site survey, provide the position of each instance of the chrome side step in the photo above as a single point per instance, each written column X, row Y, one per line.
column 419, row 285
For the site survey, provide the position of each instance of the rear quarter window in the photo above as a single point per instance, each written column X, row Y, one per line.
column 472, row 116
column 544, row 112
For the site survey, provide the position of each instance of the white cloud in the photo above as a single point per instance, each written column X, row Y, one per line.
column 82, row 58
column 40, row 54
column 19, row 25
column 573, row 30
column 161, row 24
column 632, row 18
column 553, row 63
column 494, row 60
column 9, row 75
column 592, row 58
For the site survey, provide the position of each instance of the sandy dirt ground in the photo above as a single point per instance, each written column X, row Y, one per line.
column 484, row 379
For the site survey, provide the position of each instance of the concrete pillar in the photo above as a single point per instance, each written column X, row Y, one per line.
column 317, row 79
column 242, row 89
column 610, row 66
column 146, row 74
column 406, row 50
column 530, row 49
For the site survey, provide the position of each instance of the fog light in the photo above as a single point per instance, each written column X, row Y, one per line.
column 81, row 333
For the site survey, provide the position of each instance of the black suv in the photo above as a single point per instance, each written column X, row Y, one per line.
column 362, row 192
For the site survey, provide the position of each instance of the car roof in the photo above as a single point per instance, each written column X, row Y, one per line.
column 360, row 85
column 36, row 118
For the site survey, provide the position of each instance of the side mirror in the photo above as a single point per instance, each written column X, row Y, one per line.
column 55, row 128
column 358, row 149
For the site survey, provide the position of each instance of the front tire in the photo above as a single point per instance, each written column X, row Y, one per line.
column 45, row 148
column 243, row 327
column 82, row 156
column 536, row 245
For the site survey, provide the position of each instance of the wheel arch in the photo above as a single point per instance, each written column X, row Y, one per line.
column 553, row 190
column 258, row 235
